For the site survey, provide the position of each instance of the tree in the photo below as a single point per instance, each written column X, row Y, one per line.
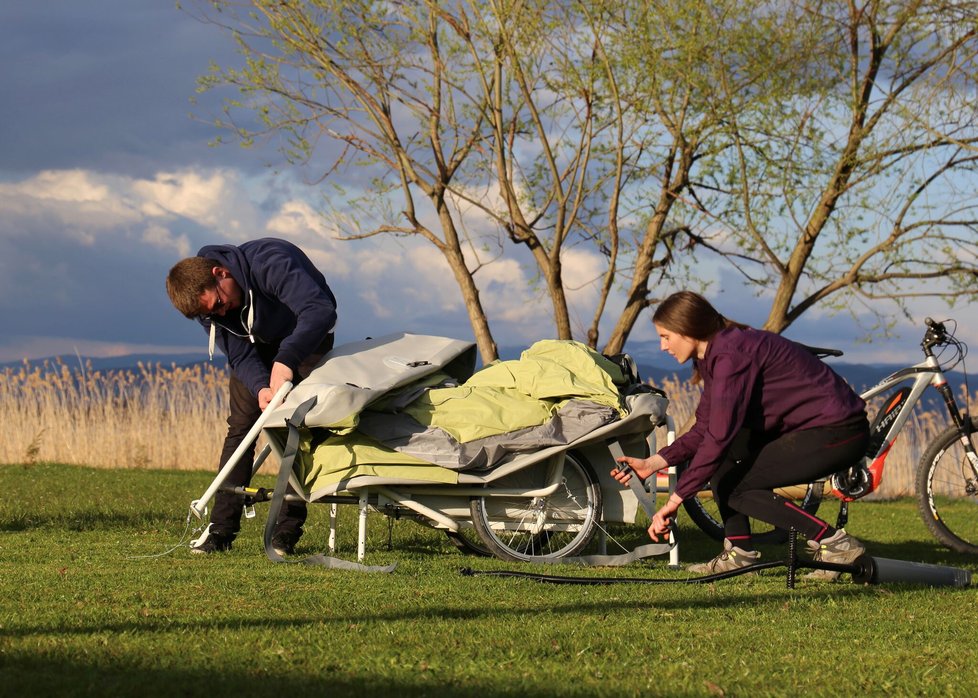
column 690, row 69
column 374, row 78
column 510, row 108
column 452, row 107
column 863, row 190
column 811, row 146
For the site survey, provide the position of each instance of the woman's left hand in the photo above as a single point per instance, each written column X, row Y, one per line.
column 662, row 519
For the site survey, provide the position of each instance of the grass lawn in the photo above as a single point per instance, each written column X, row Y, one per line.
column 91, row 605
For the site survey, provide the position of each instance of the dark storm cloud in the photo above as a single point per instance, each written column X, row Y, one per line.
column 105, row 84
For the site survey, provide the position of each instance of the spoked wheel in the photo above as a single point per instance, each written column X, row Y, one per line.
column 705, row 514
column 468, row 541
column 541, row 528
column 947, row 491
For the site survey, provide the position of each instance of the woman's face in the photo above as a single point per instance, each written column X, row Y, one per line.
column 681, row 347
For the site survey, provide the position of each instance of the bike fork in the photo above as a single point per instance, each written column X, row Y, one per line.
column 843, row 517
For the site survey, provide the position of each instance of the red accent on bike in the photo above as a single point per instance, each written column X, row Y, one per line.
column 876, row 468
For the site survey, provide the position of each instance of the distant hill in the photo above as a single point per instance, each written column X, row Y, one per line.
column 118, row 362
column 860, row 376
column 655, row 366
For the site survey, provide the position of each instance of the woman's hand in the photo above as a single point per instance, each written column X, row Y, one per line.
column 662, row 519
column 642, row 467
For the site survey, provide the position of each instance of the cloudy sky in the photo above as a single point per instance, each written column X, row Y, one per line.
column 107, row 178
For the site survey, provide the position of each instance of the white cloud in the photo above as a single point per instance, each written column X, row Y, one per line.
column 394, row 282
column 82, row 204
column 76, row 204
column 298, row 221
column 194, row 195
column 67, row 185
column 161, row 237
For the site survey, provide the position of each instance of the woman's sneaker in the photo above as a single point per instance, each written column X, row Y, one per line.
column 732, row 558
column 840, row 548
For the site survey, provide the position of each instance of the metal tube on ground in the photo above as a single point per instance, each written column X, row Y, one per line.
column 881, row 570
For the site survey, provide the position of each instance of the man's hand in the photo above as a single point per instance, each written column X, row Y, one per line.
column 280, row 374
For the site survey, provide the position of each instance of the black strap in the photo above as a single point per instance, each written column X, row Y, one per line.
column 647, row 502
column 636, row 483
column 278, row 498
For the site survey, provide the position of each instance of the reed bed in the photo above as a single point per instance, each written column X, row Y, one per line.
column 149, row 417
column 173, row 418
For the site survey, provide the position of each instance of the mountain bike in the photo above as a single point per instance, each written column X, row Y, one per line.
column 947, row 473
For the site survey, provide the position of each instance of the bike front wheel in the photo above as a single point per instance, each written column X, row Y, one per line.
column 521, row 528
column 947, row 491
column 706, row 515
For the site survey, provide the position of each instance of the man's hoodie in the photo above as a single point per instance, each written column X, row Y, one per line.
column 285, row 303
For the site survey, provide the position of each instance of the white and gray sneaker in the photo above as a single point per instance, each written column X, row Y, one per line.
column 732, row 558
column 840, row 548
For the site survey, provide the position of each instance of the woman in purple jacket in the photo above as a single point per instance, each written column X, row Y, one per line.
column 771, row 415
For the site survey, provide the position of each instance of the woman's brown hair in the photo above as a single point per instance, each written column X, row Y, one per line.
column 691, row 315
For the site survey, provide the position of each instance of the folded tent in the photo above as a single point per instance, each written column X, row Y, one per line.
column 409, row 408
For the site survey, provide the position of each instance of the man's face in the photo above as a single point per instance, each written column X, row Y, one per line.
column 223, row 297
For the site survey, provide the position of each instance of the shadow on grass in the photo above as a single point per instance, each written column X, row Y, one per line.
column 84, row 520
column 34, row 675
column 596, row 605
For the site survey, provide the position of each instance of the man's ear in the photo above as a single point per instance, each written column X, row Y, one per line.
column 219, row 272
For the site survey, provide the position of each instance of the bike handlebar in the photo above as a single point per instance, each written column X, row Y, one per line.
column 936, row 333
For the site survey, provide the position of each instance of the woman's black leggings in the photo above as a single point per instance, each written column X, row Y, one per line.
column 743, row 485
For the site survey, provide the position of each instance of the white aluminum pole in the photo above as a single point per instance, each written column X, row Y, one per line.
column 670, row 437
column 362, row 527
column 332, row 527
column 199, row 506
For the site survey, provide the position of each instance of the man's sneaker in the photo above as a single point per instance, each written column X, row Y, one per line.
column 283, row 543
column 211, row 543
column 732, row 558
column 840, row 548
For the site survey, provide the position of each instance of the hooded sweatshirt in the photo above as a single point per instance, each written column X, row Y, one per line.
column 286, row 303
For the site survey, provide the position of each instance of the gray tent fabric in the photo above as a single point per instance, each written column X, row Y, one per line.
column 353, row 375
column 403, row 434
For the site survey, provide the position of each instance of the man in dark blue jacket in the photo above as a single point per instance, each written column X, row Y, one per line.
column 268, row 308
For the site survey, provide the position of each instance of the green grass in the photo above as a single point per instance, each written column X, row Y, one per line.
column 83, row 611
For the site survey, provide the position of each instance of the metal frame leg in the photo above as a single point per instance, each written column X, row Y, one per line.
column 362, row 528
column 332, row 527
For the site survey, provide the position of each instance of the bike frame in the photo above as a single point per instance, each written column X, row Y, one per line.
column 894, row 415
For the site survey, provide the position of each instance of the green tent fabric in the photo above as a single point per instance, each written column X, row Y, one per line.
column 557, row 391
column 345, row 456
column 512, row 395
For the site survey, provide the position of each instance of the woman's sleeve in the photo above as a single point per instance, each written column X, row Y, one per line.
column 727, row 396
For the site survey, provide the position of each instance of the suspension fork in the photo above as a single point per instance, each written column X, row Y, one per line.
column 960, row 421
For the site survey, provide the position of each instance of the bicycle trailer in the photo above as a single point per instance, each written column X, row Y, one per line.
column 512, row 460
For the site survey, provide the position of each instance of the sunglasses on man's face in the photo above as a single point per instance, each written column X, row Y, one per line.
column 218, row 304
